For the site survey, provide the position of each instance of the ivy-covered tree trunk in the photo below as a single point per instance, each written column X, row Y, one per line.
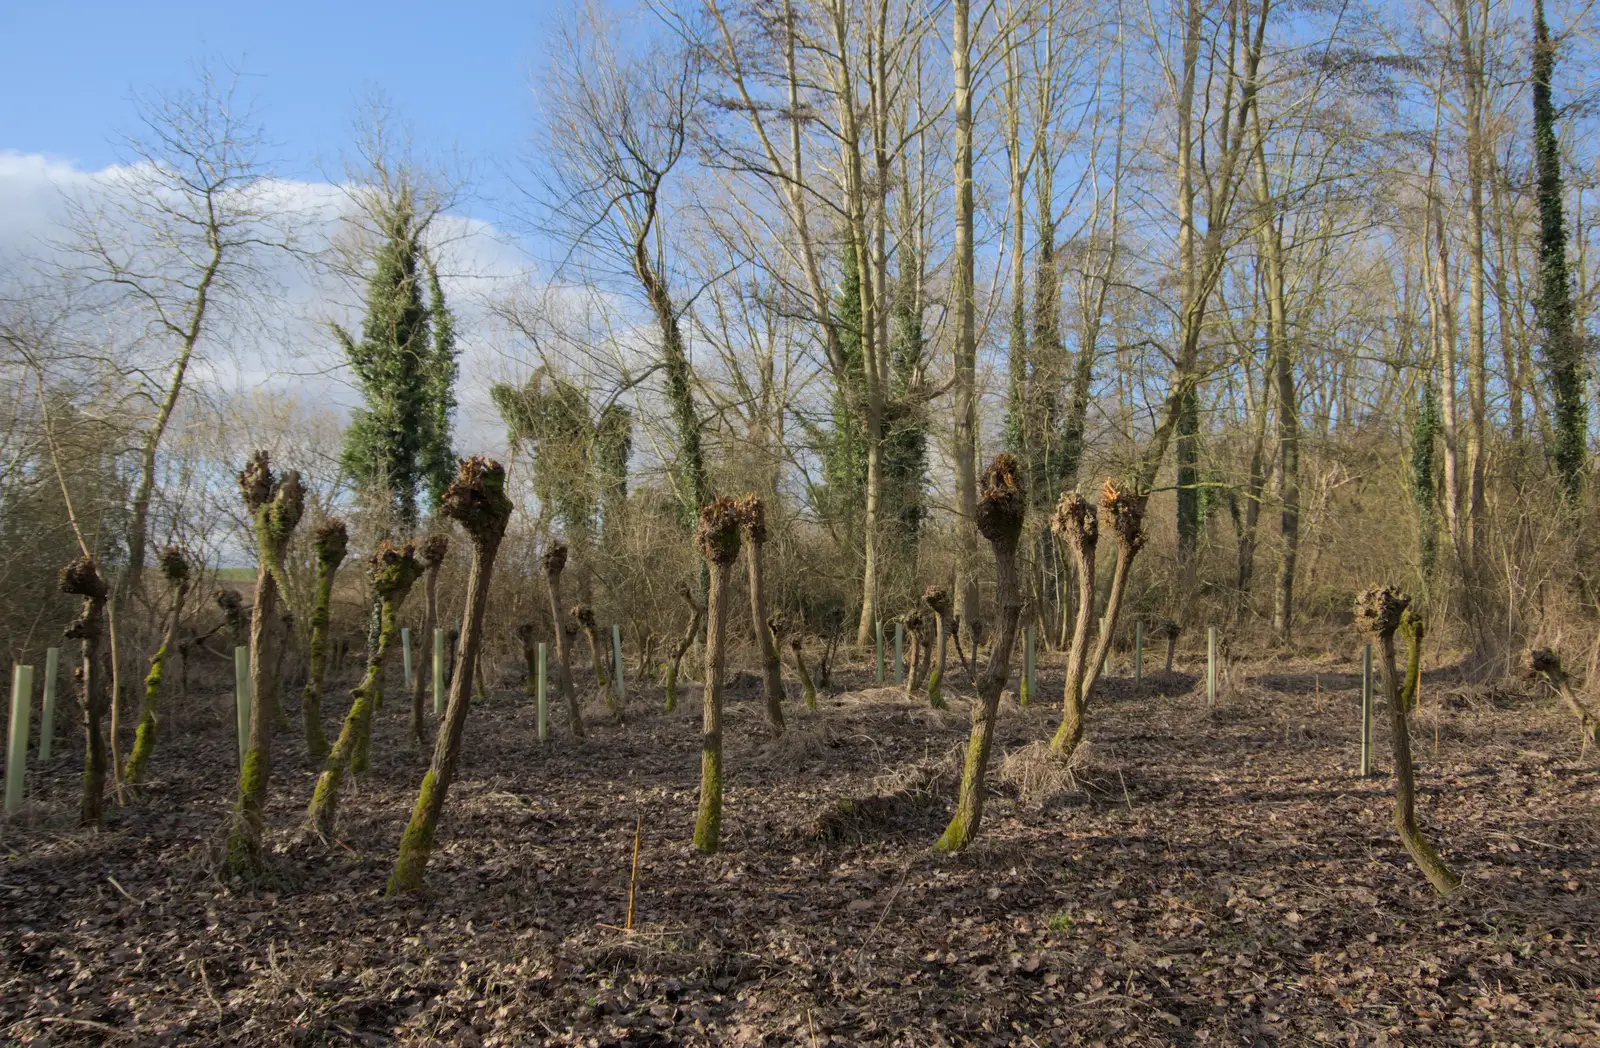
column 176, row 569
column 332, row 543
column 753, row 519
column 275, row 507
column 82, row 579
column 718, row 538
column 675, row 664
column 1379, row 611
column 555, row 561
column 394, row 571
column 433, row 550
column 1563, row 349
column 1001, row 505
column 1075, row 524
column 477, row 501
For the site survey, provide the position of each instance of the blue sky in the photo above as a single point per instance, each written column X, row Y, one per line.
column 459, row 76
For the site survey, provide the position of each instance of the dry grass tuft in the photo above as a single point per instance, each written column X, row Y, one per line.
column 1040, row 776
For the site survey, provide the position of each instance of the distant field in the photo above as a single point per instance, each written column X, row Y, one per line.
column 235, row 574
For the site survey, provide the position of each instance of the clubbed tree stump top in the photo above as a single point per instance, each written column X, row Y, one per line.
column 1378, row 610
column 718, row 533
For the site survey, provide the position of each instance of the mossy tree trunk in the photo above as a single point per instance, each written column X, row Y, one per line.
column 753, row 515
column 275, row 507
column 555, row 561
column 1379, row 612
column 433, row 551
column 1000, row 512
column 394, row 571
column 1074, row 523
column 144, row 738
column 477, row 500
column 82, row 579
column 718, row 538
column 807, row 686
column 332, row 543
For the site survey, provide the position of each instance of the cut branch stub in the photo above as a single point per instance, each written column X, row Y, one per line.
column 1001, row 502
column 718, row 533
column 1378, row 610
column 477, row 500
column 332, row 542
column 937, row 598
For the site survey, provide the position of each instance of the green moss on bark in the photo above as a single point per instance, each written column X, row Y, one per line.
column 416, row 844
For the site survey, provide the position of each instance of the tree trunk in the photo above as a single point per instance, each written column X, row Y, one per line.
column 477, row 500
column 719, row 540
column 82, row 579
column 555, row 559
column 1001, row 516
column 430, row 619
column 755, row 534
column 1075, row 522
column 144, row 738
column 696, row 615
column 1379, row 612
column 392, row 587
column 276, row 505
column 311, row 697
column 966, row 354
column 244, row 844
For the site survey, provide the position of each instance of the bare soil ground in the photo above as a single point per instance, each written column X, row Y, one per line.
column 1203, row 879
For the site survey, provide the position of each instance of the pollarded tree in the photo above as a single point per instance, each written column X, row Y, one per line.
column 1379, row 612
column 394, row 571
column 1075, row 524
column 82, row 579
column 477, row 501
column 753, row 520
column 1546, row 664
column 1123, row 507
column 555, row 562
column 434, row 547
column 175, row 568
column 275, row 506
column 1002, row 503
column 718, row 539
column 332, row 542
